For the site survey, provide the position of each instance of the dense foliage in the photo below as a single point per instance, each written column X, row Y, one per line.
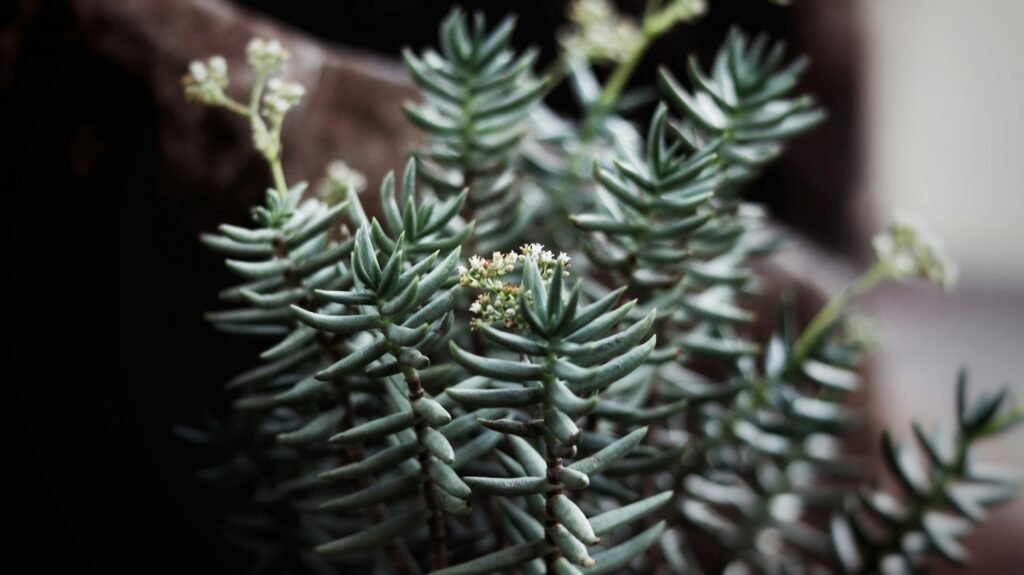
column 445, row 393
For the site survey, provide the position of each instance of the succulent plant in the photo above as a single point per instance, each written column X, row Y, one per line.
column 446, row 394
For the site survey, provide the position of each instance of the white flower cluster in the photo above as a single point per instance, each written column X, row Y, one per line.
column 499, row 306
column 344, row 177
column 500, row 300
column 547, row 261
column 908, row 250
column 281, row 96
column 486, row 274
column 266, row 56
column 206, row 81
column 600, row 33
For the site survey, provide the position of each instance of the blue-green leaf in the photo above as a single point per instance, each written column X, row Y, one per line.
column 376, row 535
column 615, row 451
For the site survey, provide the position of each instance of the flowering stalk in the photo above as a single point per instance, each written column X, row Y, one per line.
column 206, row 82
column 905, row 250
column 602, row 34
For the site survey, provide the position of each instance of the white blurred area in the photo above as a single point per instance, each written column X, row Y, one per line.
column 945, row 112
column 946, row 132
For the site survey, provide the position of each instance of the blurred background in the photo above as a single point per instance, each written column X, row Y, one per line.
column 925, row 118
column 944, row 88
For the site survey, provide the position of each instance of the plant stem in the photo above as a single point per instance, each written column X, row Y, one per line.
column 438, row 539
column 235, row 107
column 657, row 20
column 813, row 333
column 260, row 131
column 277, row 170
column 554, row 468
column 271, row 137
column 397, row 552
column 617, row 83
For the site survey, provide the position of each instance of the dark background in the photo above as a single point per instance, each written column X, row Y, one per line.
column 110, row 283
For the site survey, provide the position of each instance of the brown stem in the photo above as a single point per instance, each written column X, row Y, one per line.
column 550, row 520
column 554, row 469
column 396, row 550
column 438, row 536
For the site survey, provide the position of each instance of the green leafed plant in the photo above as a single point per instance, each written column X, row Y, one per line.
column 426, row 407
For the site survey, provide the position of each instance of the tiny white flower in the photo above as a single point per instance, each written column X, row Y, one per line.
column 266, row 56
column 218, row 66
column 281, row 96
column 206, row 81
column 199, row 72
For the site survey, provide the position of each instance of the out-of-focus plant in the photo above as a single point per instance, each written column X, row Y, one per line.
column 578, row 409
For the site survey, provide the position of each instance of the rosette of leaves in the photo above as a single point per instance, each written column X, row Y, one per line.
column 288, row 262
column 744, row 108
column 744, row 112
column 281, row 263
column 745, row 101
column 395, row 314
column 567, row 356
column 477, row 94
column 425, row 227
column 649, row 210
column 944, row 491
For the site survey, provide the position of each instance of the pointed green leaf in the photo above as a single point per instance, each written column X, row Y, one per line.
column 508, row 397
column 376, row 535
column 611, row 560
column 341, row 324
column 615, row 451
column 508, row 486
column 496, row 368
column 620, row 516
column 377, row 492
column 573, row 519
column 357, row 359
column 497, row 561
column 376, row 428
column 384, row 459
